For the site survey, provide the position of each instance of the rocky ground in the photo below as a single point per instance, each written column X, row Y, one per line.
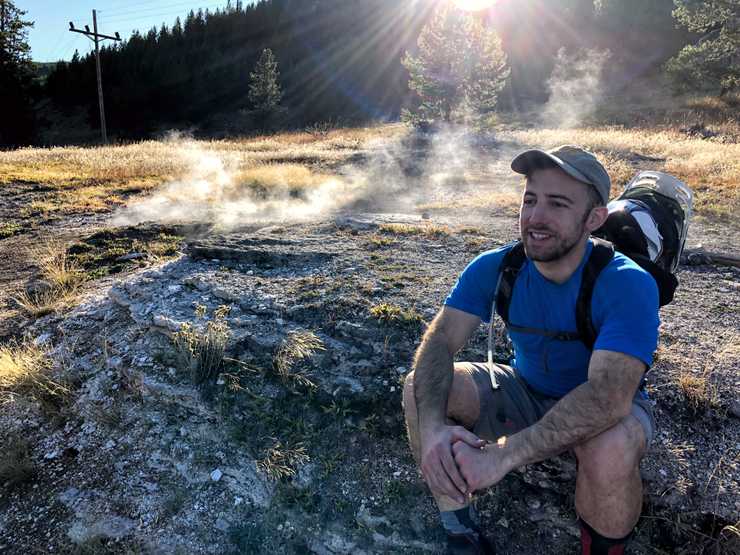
column 297, row 444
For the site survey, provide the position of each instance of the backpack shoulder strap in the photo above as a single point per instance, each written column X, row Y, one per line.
column 601, row 254
column 510, row 267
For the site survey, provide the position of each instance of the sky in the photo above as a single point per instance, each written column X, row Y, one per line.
column 51, row 40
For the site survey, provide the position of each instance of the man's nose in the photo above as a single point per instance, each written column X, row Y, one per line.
column 537, row 213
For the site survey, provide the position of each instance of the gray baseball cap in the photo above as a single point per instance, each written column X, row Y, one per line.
column 577, row 162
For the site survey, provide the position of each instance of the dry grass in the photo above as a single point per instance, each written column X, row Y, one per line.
column 700, row 386
column 281, row 461
column 93, row 179
column 394, row 314
column 201, row 349
column 698, row 391
column 505, row 201
column 57, row 269
column 59, row 283
column 432, row 231
column 270, row 177
column 24, row 371
column 298, row 346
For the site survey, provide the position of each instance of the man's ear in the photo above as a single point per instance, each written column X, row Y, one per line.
column 596, row 218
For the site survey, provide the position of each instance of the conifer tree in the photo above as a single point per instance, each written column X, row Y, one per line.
column 715, row 59
column 460, row 67
column 16, row 81
column 264, row 84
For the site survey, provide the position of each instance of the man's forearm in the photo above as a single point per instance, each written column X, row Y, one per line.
column 580, row 415
column 433, row 371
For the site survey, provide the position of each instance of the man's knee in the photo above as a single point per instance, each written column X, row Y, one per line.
column 613, row 454
column 463, row 404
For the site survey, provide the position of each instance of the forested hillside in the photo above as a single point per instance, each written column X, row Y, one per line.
column 338, row 59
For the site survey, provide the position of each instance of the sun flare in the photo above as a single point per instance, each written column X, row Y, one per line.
column 474, row 5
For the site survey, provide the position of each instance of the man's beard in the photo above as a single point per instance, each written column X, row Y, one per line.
column 561, row 246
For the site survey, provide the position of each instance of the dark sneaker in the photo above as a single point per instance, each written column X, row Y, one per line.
column 471, row 543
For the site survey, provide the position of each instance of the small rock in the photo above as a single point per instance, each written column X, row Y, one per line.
column 364, row 518
column 42, row 339
column 345, row 382
column 109, row 526
column 402, row 370
column 51, row 455
column 216, row 475
column 225, row 294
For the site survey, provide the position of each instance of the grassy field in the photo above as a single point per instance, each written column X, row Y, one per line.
column 77, row 180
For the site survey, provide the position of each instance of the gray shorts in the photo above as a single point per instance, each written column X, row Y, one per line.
column 515, row 405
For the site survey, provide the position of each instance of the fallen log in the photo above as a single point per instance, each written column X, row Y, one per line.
column 695, row 257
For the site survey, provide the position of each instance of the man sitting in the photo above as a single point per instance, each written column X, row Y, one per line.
column 469, row 425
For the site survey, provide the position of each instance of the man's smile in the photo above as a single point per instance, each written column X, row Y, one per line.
column 539, row 235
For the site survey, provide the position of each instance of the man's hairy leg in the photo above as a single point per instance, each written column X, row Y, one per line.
column 463, row 408
column 609, row 486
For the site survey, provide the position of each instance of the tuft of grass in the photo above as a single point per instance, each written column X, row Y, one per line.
column 60, row 280
column 320, row 129
column 201, row 350
column 38, row 302
column 16, row 466
column 9, row 229
column 296, row 347
column 394, row 314
column 281, row 461
column 698, row 391
column 24, row 371
column 432, row 231
column 376, row 241
column 57, row 268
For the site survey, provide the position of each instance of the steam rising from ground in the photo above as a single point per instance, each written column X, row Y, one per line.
column 575, row 88
column 215, row 189
column 230, row 188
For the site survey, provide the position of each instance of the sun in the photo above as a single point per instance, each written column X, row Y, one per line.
column 474, row 5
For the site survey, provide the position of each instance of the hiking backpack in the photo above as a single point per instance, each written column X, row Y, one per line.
column 648, row 223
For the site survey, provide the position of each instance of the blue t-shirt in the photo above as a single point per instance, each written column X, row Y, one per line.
column 624, row 312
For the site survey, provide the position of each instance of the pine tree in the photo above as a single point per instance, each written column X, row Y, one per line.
column 264, row 84
column 715, row 59
column 16, row 77
column 460, row 67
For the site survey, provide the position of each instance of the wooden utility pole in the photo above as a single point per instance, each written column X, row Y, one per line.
column 97, row 38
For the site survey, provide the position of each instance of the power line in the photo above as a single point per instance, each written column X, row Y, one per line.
column 106, row 14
